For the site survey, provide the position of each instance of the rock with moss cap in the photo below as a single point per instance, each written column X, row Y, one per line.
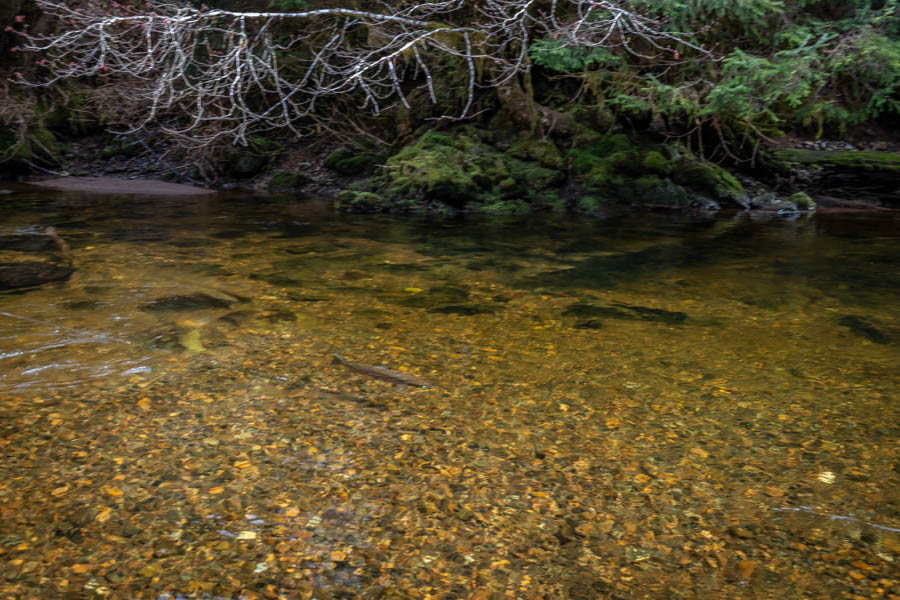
column 284, row 181
column 544, row 152
column 348, row 163
column 354, row 201
column 711, row 180
column 802, row 201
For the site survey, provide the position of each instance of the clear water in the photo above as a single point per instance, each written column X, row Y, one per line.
column 652, row 406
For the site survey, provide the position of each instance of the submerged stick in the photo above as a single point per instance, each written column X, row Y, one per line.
column 383, row 373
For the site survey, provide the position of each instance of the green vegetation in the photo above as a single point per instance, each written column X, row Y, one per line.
column 819, row 66
column 287, row 180
column 857, row 161
column 587, row 122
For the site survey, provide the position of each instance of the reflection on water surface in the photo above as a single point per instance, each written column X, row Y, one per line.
column 653, row 407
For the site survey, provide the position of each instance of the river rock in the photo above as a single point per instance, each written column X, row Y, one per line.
column 865, row 328
column 32, row 259
column 27, row 242
column 802, row 201
column 187, row 302
column 30, row 273
column 764, row 201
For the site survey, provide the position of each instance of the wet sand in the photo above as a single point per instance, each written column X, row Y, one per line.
column 108, row 185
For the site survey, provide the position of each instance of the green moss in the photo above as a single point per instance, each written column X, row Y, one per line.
column 596, row 117
column 542, row 151
column 709, row 179
column 617, row 147
column 656, row 163
column 586, row 137
column 360, row 202
column 502, row 207
column 42, row 141
column 663, row 193
column 349, row 163
column 626, row 161
column 8, row 144
column 263, row 145
column 287, row 180
column 532, row 176
column 589, row 204
column 462, row 173
column 332, row 159
column 646, row 184
column 803, row 201
column 434, row 139
column 559, row 204
column 610, row 144
column 441, row 173
column 857, row 161
column 399, row 187
column 454, row 173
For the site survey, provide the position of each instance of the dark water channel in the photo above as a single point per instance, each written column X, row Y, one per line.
column 646, row 407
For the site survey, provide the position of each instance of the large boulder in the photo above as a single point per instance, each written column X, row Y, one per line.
column 711, row 180
column 618, row 170
column 448, row 173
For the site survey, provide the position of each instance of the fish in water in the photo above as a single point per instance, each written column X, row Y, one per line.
column 382, row 373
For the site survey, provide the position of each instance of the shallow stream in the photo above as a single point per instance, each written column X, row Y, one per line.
column 643, row 407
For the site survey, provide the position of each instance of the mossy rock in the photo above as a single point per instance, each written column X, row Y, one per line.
column 360, row 202
column 654, row 162
column 656, row 193
column 288, row 180
column 439, row 170
column 590, row 204
column 444, row 173
column 849, row 160
column 263, row 145
column 504, row 131
column 435, row 139
column 586, row 155
column 533, row 176
column 710, row 180
column 802, row 201
column 349, row 163
column 586, row 137
column 501, row 207
column 544, row 152
column 647, row 183
column 598, row 118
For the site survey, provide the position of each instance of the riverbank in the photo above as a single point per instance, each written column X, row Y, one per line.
column 500, row 171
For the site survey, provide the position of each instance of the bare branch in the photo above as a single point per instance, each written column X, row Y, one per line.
column 209, row 74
